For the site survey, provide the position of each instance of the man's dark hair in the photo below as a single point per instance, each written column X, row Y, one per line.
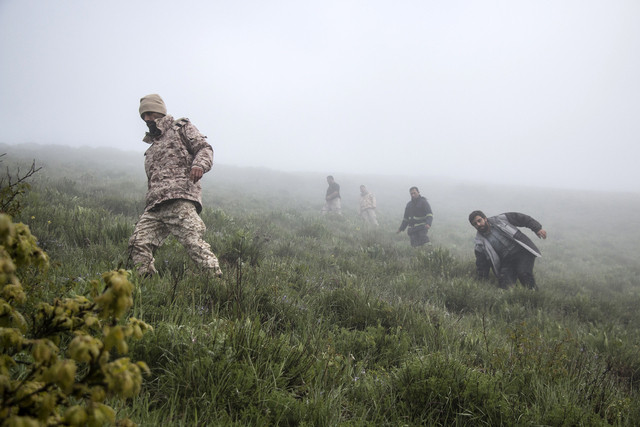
column 330, row 176
column 414, row 188
column 474, row 214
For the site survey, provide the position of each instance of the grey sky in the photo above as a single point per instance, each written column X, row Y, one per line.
column 543, row 93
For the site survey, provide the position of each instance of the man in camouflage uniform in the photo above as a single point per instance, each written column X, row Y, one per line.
column 368, row 206
column 176, row 160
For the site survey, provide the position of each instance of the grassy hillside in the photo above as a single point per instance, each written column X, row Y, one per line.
column 320, row 321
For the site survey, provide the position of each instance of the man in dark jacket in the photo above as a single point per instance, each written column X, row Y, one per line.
column 418, row 217
column 500, row 246
column 332, row 199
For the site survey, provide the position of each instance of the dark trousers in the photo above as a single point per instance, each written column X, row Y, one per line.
column 517, row 266
column 418, row 235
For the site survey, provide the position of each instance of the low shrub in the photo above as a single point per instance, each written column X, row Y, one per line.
column 435, row 389
column 375, row 346
column 57, row 367
column 354, row 308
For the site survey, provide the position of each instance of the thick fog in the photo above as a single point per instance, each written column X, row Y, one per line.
column 537, row 93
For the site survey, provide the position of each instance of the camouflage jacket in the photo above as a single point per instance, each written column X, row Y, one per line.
column 367, row 201
column 169, row 159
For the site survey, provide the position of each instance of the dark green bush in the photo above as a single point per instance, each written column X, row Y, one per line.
column 376, row 347
column 435, row 389
column 353, row 308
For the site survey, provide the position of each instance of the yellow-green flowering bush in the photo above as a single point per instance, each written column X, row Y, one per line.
column 60, row 366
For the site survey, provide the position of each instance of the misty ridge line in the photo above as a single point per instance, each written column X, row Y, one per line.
column 117, row 157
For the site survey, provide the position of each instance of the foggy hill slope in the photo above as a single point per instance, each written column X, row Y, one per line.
column 306, row 189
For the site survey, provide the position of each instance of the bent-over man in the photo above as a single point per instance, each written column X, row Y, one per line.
column 177, row 158
column 502, row 247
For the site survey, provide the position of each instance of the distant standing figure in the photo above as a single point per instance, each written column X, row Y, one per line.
column 368, row 206
column 177, row 158
column 332, row 199
column 500, row 246
column 418, row 217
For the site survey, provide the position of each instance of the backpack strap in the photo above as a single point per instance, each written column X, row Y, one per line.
column 179, row 125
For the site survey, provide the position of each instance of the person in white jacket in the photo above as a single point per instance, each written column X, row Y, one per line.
column 368, row 206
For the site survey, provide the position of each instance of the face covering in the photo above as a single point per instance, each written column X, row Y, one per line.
column 153, row 128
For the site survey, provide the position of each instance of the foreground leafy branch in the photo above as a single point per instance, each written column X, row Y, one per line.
column 59, row 367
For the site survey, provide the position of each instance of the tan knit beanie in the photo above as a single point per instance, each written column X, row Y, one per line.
column 152, row 104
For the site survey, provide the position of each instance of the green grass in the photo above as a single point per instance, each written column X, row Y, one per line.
column 318, row 321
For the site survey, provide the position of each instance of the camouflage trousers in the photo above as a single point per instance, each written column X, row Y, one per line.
column 179, row 218
column 369, row 216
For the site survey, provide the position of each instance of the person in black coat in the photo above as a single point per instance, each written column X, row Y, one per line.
column 418, row 217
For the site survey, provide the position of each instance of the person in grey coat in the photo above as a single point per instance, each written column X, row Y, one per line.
column 502, row 247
